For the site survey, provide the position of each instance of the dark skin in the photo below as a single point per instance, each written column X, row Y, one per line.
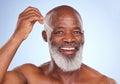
column 67, row 27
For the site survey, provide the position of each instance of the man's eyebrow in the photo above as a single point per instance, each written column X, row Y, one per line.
column 58, row 28
column 78, row 28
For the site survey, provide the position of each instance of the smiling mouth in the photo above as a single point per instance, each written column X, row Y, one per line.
column 68, row 50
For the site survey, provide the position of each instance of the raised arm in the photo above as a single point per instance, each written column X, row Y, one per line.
column 24, row 26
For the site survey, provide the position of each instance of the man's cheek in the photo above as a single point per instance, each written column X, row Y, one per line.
column 80, row 41
column 55, row 41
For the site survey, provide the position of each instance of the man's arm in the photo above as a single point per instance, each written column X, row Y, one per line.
column 24, row 26
column 6, row 54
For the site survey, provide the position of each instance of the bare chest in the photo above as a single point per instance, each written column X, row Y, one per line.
column 48, row 80
column 45, row 80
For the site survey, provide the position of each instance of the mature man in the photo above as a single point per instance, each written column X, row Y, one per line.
column 64, row 34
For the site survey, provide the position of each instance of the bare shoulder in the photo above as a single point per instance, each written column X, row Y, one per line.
column 32, row 73
column 13, row 77
column 32, row 69
column 23, row 74
column 94, row 74
column 107, row 80
column 90, row 71
column 28, row 69
column 17, row 75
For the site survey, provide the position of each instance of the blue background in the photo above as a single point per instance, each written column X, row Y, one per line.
column 101, row 21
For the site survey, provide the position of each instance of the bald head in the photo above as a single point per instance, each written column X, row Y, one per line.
column 61, row 11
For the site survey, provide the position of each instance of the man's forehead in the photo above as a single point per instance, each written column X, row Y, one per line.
column 67, row 22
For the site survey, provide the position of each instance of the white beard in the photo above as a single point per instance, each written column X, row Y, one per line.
column 67, row 64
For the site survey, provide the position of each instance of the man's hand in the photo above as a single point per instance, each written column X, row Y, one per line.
column 26, row 21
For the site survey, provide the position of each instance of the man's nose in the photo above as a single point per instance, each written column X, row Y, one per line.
column 69, row 38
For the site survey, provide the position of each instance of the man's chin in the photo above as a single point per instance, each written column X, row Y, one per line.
column 69, row 56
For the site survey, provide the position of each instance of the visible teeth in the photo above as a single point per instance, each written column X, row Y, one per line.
column 68, row 48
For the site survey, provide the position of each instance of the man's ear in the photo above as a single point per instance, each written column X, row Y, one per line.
column 44, row 35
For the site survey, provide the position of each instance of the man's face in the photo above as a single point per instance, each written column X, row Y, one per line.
column 67, row 36
column 66, row 41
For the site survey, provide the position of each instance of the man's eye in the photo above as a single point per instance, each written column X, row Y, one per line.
column 77, row 32
column 59, row 32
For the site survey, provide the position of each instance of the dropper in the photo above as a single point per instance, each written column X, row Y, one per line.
column 47, row 27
